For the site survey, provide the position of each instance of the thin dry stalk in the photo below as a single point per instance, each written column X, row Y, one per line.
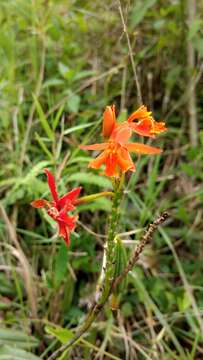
column 26, row 269
column 140, row 247
column 125, row 335
column 139, row 94
column 191, row 11
column 123, row 88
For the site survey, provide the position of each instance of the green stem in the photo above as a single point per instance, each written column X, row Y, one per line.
column 113, row 223
column 109, row 272
column 87, row 198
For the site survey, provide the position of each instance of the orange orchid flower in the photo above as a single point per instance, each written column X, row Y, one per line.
column 146, row 125
column 115, row 152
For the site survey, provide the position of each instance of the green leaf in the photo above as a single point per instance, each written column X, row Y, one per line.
column 184, row 302
column 43, row 146
column 13, row 353
column 73, row 103
column 65, row 71
column 58, row 116
column 195, row 26
column 17, row 338
column 201, row 136
column 52, row 82
column 61, row 264
column 26, row 183
column 127, row 309
column 140, row 11
column 85, row 178
column 78, row 127
column 198, row 45
column 43, row 120
column 68, row 294
column 63, row 335
column 34, row 171
column 98, row 204
column 76, row 160
column 84, row 73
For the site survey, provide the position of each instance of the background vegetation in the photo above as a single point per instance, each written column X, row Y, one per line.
column 62, row 62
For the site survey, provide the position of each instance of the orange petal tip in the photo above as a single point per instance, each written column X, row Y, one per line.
column 39, row 203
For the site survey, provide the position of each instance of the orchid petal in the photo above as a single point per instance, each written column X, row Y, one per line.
column 52, row 185
column 139, row 113
column 121, row 133
column 68, row 206
column 65, row 233
column 109, row 121
column 111, row 163
column 148, row 127
column 70, row 196
column 101, row 159
column 158, row 127
column 39, row 203
column 143, row 127
column 68, row 220
column 101, row 146
column 142, row 149
column 124, row 160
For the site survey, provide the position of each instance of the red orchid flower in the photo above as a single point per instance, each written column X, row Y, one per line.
column 115, row 154
column 58, row 208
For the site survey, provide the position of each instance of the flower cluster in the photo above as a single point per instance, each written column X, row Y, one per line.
column 116, row 149
column 115, row 155
column 59, row 207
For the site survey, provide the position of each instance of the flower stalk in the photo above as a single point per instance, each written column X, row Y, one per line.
column 106, row 285
column 88, row 198
column 113, row 223
column 115, row 155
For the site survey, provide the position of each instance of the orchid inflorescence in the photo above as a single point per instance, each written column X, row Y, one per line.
column 115, row 155
column 115, row 151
